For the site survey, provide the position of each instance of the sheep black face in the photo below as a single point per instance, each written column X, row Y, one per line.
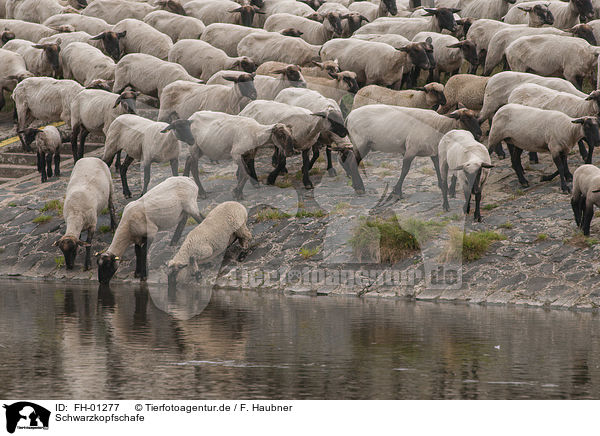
column 68, row 245
column 247, row 14
column 257, row 3
column 468, row 119
column 466, row 24
column 27, row 137
column 108, row 264
column 468, row 50
column 245, row 83
column 292, row 73
column 283, row 139
column 51, row 52
column 172, row 6
column 584, row 31
column 445, row 17
column 350, row 79
column 6, row 36
column 183, row 131
column 585, row 9
column 590, row 129
column 127, row 100
column 418, row 54
column 110, row 41
column 391, row 6
column 82, row 4
column 247, row 64
column 336, row 122
column 334, row 21
column 354, row 21
column 434, row 94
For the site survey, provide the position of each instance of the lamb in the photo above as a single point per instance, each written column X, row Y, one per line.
column 225, row 224
column 306, row 128
column 36, row 11
column 12, row 66
column 586, row 185
column 530, row 94
column 375, row 62
column 113, row 11
column 573, row 58
column 336, row 87
column 147, row 74
column 566, row 14
column 490, row 9
column 221, row 11
column 272, row 46
column 25, row 30
column 181, row 99
column 227, row 36
column 470, row 162
column 46, row 144
column 161, row 208
column 554, row 132
column 267, row 87
column 142, row 38
column 448, row 52
column 211, row 59
column 437, row 19
column 416, row 132
column 89, row 191
column 41, row 59
column 175, row 26
column 464, row 89
column 320, row 69
column 81, row 23
column 94, row 110
column 313, row 32
column 431, row 96
column 222, row 136
column 84, row 63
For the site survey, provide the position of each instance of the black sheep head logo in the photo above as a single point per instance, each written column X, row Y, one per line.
column 26, row 414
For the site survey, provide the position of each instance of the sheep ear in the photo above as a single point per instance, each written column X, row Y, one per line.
column 320, row 114
column 429, row 40
column 230, row 78
column 578, row 121
column 235, row 10
column 122, row 34
column 39, row 46
column 97, row 37
column 458, row 168
column 460, row 105
column 420, row 88
column 281, row 71
column 317, row 64
column 430, row 11
column 167, row 129
column 455, row 10
column 525, row 8
column 454, row 115
column 457, row 45
column 597, row 190
column 117, row 102
column 487, row 165
column 55, row 243
column 362, row 17
column 333, row 75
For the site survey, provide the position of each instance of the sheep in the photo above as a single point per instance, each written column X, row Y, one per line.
column 221, row 11
column 222, row 136
column 202, row 60
column 448, row 53
column 320, row 69
column 110, row 43
column 142, row 38
column 272, row 46
column 313, row 32
column 566, row 14
column 464, row 89
column 225, row 224
column 370, row 11
column 81, row 23
column 587, row 31
column 147, row 74
column 431, row 96
column 530, row 94
column 144, row 140
column 396, row 41
column 267, row 87
column 25, row 30
column 573, row 58
column 46, row 144
column 491, row 9
column 416, row 132
column 94, row 110
column 161, row 208
column 12, row 66
column 586, row 185
column 339, row 85
column 64, row 39
column 470, row 162
column 84, row 63
column 89, row 191
column 306, row 128
column 375, row 62
column 113, row 11
column 181, row 99
column 351, row 22
column 41, row 59
column 537, row 14
column 540, row 130
column 5, row 36
column 6, row 85
column 271, row 7
column 437, row 19
column 227, row 36
column 175, row 26
column 36, row 11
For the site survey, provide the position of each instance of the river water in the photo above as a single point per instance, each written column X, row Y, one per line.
column 69, row 341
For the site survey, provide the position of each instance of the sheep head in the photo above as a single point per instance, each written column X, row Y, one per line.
column 282, row 137
column 51, row 52
column 336, row 122
column 420, row 54
column 444, row 16
column 182, row 130
column 333, row 23
column 171, row 6
column 247, row 13
column 110, row 41
column 245, row 84
column 354, row 20
column 468, row 120
column 434, row 94
column 6, row 36
column 591, row 130
column 108, row 264
column 468, row 50
column 349, row 79
column 584, row 31
column 27, row 137
column 127, row 100
column 245, row 64
column 69, row 245
column 331, row 67
column 391, row 6
column 585, row 9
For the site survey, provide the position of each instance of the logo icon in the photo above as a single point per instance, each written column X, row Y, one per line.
column 26, row 415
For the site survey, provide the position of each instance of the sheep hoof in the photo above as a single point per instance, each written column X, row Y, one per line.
column 332, row 172
column 202, row 195
column 359, row 191
column 446, row 207
column 502, row 156
column 136, row 275
column 237, row 195
column 143, row 279
column 127, row 194
column 309, row 186
column 242, row 256
column 255, row 183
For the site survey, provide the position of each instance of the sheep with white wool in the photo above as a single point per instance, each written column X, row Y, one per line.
column 464, row 89
column 221, row 11
column 336, row 87
column 572, row 58
column 449, row 53
column 491, row 9
column 202, row 60
column 272, row 46
column 148, row 74
column 371, row 11
column 161, row 208
column 396, row 41
column 469, row 162
column 142, row 38
column 566, row 14
column 12, row 66
column 144, row 140
column 223, row 225
column 586, row 195
column 221, row 136
column 481, row 32
column 46, row 143
column 416, row 132
column 80, row 23
column 6, row 85
column 430, row 96
column 36, row 11
column 227, row 36
column 175, row 25
column 181, row 99
column 40, row 59
column 313, row 32
column 113, row 11
column 271, row 7
column 84, row 63
column 25, row 30
column 90, row 190
column 94, row 110
column 539, row 130
column 64, row 39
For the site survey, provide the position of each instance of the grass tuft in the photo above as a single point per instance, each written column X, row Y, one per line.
column 506, row 225
column 490, row 206
column 42, row 219
column 469, row 246
column 581, row 241
column 309, row 252
column 55, row 205
column 271, row 214
column 60, row 261
column 310, row 214
column 12, row 204
column 104, row 229
column 542, row 237
column 191, row 222
column 104, row 211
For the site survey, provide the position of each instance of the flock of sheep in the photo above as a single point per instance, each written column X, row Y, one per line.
column 232, row 78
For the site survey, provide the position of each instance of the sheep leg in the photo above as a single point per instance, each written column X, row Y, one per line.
column 194, row 269
column 397, row 192
column 118, row 161
column 278, row 169
column 560, row 164
column 174, row 166
column 82, row 137
column 146, row 177
column 113, row 217
column 196, row 175
column 249, row 164
column 39, row 162
column 88, row 250
column 477, row 215
column 43, row 166
column 533, row 157
column 144, row 262
column 330, row 169
column 499, row 151
column 453, row 186
column 583, row 152
column 315, row 156
column 467, row 205
column 436, row 165
column 49, row 164
column 568, row 175
column 515, row 158
column 588, row 214
column 350, row 161
column 74, row 135
column 138, row 260
column 57, row 163
column 444, row 187
column 128, row 160
column 577, row 206
column 306, row 169
column 179, row 230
